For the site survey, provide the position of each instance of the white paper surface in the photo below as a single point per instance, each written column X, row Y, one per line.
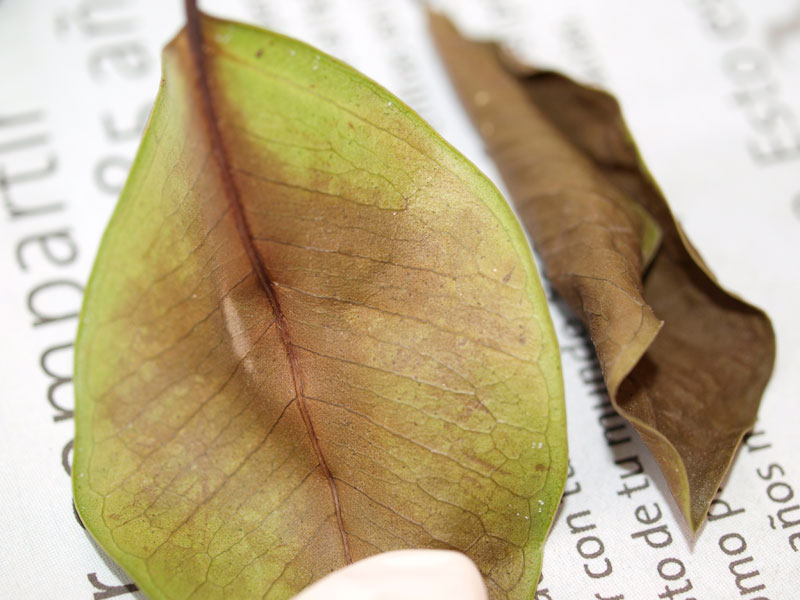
column 711, row 91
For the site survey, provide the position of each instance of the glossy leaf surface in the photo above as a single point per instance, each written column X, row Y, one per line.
column 313, row 332
column 684, row 361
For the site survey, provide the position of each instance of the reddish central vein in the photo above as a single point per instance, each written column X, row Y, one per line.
column 193, row 31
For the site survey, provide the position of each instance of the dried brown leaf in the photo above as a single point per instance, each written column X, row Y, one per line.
column 684, row 361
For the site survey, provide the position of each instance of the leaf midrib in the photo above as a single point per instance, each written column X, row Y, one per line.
column 231, row 192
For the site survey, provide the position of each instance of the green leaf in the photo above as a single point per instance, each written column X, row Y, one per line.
column 313, row 332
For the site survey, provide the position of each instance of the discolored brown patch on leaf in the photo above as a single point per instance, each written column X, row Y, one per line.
column 313, row 332
column 684, row 361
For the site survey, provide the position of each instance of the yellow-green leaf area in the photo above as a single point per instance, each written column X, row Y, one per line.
column 367, row 364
